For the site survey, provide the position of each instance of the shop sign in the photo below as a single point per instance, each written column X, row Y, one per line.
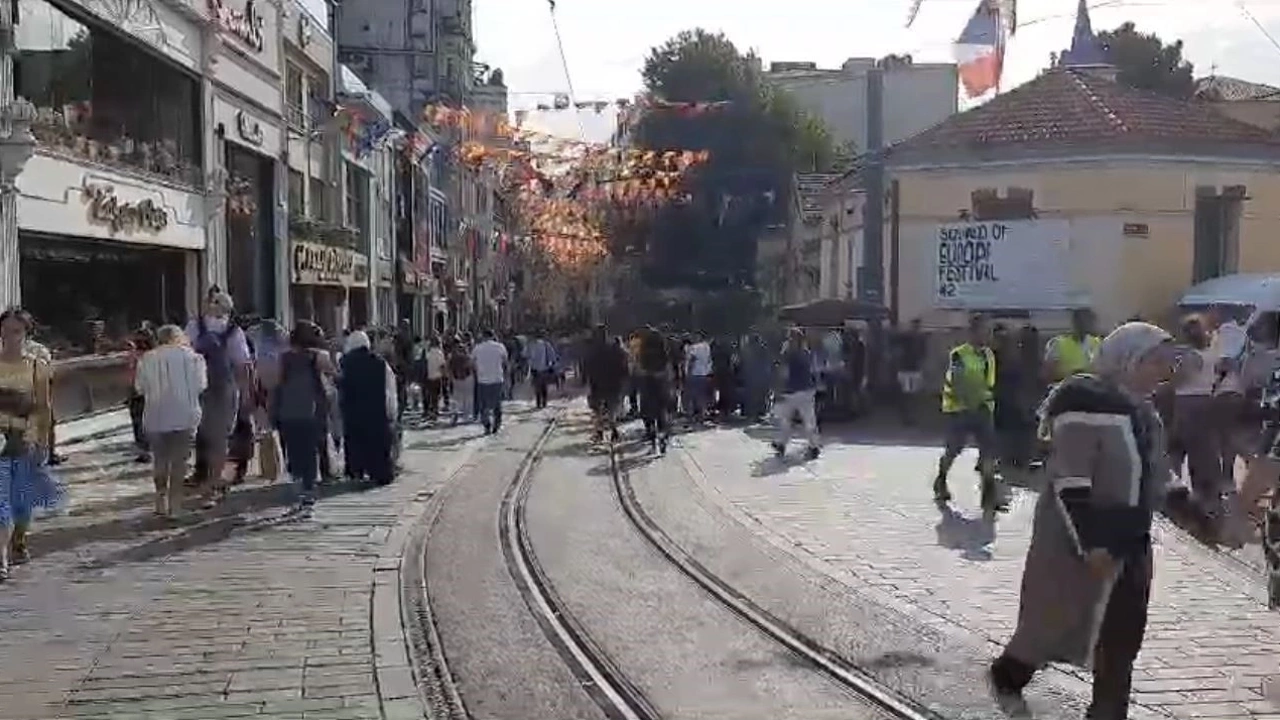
column 250, row 130
column 327, row 265
column 245, row 26
column 107, row 209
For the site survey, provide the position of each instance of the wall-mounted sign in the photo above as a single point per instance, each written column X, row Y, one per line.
column 107, row 209
column 1137, row 230
column 327, row 265
column 246, row 26
column 1022, row 264
column 250, row 130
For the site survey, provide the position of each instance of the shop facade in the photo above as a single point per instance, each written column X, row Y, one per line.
column 112, row 212
column 245, row 145
column 328, row 283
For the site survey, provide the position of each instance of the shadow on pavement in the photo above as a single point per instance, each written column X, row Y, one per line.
column 446, row 443
column 972, row 536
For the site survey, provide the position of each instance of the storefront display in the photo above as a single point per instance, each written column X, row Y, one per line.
column 330, row 285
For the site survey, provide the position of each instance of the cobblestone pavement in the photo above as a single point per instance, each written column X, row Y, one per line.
column 245, row 612
column 863, row 514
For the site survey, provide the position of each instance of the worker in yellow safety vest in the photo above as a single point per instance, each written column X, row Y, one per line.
column 968, row 403
column 1073, row 352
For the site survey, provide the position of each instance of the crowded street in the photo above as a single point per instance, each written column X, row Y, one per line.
column 252, row 612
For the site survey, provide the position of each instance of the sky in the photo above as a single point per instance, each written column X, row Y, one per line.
column 606, row 41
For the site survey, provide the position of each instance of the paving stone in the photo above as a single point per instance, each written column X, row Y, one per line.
column 251, row 614
column 863, row 513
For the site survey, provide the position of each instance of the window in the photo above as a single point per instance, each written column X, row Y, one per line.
column 295, row 97
column 297, row 193
column 102, row 98
column 319, row 200
column 357, row 199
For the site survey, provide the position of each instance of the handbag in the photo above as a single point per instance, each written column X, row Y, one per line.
column 268, row 456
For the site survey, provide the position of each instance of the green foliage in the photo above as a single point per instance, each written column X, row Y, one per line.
column 757, row 141
column 1145, row 61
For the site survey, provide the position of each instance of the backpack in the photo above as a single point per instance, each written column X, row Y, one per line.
column 300, row 393
column 459, row 365
column 212, row 346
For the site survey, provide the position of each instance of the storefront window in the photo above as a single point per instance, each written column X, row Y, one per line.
column 102, row 98
column 319, row 198
column 295, row 97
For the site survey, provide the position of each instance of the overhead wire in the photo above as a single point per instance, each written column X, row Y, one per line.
column 564, row 62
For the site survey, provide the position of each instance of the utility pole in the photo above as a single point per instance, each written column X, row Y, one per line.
column 871, row 284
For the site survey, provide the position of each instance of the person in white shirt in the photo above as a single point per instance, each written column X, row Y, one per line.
column 170, row 378
column 1230, row 345
column 490, row 361
column 436, row 363
column 698, row 375
column 1193, row 402
column 540, row 356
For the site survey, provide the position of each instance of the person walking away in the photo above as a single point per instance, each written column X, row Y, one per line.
column 757, row 376
column 300, row 407
column 170, row 379
column 652, row 366
column 909, row 348
column 1086, row 583
column 798, row 395
column 968, row 404
column 1007, row 416
column 462, row 381
column 606, row 370
column 142, row 341
column 698, row 374
column 436, row 366
column 401, row 360
column 25, row 412
column 227, row 360
column 633, row 374
column 1231, row 347
column 489, row 358
column 723, row 378
column 367, row 394
column 541, row 359
column 1193, row 385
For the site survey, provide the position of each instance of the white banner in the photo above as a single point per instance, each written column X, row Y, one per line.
column 1005, row 264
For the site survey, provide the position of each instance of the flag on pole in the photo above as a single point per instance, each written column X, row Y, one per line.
column 980, row 50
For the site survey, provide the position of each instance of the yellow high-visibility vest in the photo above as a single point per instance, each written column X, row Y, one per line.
column 1075, row 355
column 977, row 368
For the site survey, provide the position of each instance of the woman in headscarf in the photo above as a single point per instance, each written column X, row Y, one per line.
column 1087, row 578
column 300, row 404
column 367, row 396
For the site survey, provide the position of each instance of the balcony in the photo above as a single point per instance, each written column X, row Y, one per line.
column 310, row 230
column 57, row 136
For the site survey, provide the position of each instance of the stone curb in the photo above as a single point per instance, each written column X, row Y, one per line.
column 1069, row 679
column 396, row 675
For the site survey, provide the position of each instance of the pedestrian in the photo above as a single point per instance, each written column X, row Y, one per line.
column 489, row 357
column 25, row 413
column 757, row 377
column 798, row 395
column 1193, row 437
column 142, row 341
column 968, row 403
column 541, row 359
column 606, row 372
column 434, row 375
column 300, row 407
column 909, row 349
column 462, row 381
column 170, row 379
column 228, row 363
column 37, row 350
column 401, row 360
column 1086, row 582
column 698, row 376
column 367, row 393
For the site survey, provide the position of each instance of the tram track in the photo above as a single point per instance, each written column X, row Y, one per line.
column 619, row 697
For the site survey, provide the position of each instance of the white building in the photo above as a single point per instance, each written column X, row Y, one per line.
column 917, row 96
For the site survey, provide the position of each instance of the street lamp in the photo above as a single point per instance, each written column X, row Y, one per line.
column 16, row 148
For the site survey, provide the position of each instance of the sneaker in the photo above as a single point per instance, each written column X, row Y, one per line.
column 812, row 453
column 779, row 450
column 662, row 445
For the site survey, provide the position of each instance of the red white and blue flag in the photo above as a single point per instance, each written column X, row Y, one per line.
column 980, row 50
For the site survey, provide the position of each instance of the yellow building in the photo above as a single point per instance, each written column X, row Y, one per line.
column 1101, row 196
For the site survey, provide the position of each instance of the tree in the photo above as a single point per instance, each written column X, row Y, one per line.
column 757, row 139
column 1145, row 61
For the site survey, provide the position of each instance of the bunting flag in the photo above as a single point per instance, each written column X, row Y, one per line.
column 980, row 50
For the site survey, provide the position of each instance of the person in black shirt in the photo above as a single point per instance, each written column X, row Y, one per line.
column 652, row 365
column 605, row 370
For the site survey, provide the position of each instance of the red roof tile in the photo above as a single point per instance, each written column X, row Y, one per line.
column 1073, row 106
